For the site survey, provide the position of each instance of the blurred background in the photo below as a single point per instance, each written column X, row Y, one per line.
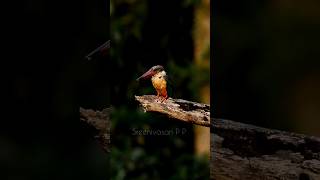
column 45, row 79
column 266, row 63
column 265, row 72
column 175, row 34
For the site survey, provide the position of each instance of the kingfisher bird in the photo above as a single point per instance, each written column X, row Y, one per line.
column 159, row 80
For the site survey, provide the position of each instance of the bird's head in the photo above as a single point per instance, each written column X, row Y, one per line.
column 151, row 72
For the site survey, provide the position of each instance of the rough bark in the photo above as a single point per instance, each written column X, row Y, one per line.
column 100, row 120
column 242, row 151
column 180, row 109
column 238, row 151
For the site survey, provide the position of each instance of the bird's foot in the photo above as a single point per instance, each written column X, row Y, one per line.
column 163, row 99
column 160, row 99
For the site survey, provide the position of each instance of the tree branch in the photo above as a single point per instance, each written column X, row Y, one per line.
column 242, row 151
column 238, row 151
column 180, row 109
column 100, row 120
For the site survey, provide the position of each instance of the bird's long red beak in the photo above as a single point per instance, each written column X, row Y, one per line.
column 101, row 49
column 147, row 75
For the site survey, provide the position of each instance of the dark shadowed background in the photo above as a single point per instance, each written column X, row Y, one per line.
column 266, row 72
column 46, row 78
column 266, row 63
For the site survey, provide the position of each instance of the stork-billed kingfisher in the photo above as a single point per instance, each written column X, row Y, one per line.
column 159, row 80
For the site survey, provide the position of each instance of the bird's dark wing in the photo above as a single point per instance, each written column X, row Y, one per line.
column 103, row 48
column 170, row 86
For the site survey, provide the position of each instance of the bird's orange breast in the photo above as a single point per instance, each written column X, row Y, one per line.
column 160, row 84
